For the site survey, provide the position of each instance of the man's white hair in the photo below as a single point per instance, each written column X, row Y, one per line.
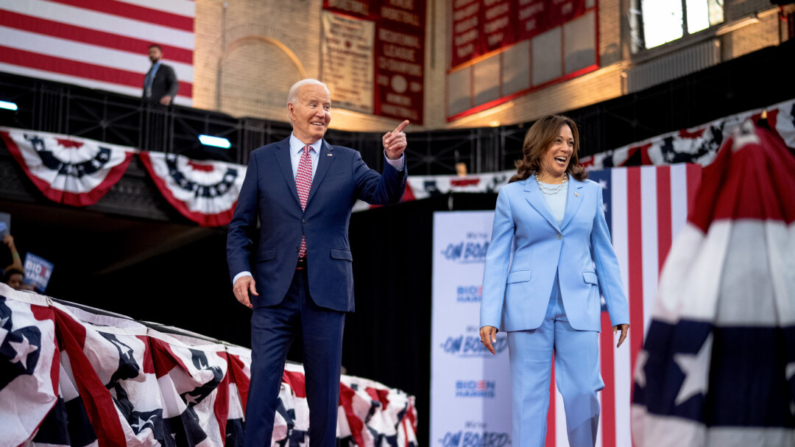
column 292, row 97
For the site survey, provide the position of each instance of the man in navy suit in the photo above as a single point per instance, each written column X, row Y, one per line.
column 160, row 83
column 298, row 276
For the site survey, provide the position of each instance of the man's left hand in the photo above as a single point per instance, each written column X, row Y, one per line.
column 395, row 141
column 166, row 100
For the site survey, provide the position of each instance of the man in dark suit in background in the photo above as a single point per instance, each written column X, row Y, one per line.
column 160, row 83
column 299, row 275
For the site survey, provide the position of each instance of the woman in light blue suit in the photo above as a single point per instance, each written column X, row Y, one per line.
column 549, row 261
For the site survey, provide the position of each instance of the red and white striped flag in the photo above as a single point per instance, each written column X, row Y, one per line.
column 99, row 44
column 718, row 364
column 645, row 208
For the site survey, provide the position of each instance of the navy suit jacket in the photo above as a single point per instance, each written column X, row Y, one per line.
column 269, row 192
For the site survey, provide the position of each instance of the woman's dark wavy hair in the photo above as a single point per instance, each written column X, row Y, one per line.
column 537, row 142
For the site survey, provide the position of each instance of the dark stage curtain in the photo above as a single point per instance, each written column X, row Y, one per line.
column 388, row 338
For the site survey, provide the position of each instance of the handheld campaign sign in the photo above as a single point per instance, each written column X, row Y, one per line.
column 5, row 225
column 37, row 271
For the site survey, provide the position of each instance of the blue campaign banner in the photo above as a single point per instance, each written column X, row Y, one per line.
column 37, row 271
column 5, row 225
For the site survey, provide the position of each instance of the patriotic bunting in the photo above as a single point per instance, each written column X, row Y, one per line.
column 67, row 170
column 28, row 364
column 203, row 191
column 78, row 172
column 67, row 424
column 718, row 363
column 422, row 187
column 697, row 145
column 782, row 121
column 70, row 377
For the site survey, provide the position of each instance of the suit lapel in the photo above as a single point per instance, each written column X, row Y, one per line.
column 573, row 201
column 536, row 200
column 283, row 156
column 325, row 159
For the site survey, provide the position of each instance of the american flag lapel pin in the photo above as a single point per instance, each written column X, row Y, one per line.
column 330, row 155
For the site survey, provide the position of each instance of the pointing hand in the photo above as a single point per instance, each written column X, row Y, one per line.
column 395, row 141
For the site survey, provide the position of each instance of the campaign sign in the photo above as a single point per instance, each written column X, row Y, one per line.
column 37, row 271
column 5, row 225
column 470, row 388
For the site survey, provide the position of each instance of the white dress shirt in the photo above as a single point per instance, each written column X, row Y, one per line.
column 297, row 149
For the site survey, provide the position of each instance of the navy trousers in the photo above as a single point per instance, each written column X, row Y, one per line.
column 272, row 331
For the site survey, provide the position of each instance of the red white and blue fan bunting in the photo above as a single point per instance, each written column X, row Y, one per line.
column 718, row 362
column 696, row 145
column 781, row 118
column 420, row 187
column 203, row 191
column 111, row 381
column 69, row 170
column 28, row 364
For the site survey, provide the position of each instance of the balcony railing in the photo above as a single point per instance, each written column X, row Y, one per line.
column 752, row 81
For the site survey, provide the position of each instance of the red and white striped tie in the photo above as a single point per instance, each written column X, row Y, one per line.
column 303, row 182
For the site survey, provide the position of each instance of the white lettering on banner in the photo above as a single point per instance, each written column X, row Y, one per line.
column 470, row 387
column 496, row 25
column 405, row 4
column 467, row 24
column 466, row 12
column 462, row 3
column 393, row 65
column 399, row 111
column 466, row 38
column 398, row 99
column 400, row 52
column 398, row 38
column 465, row 50
column 495, row 39
column 400, row 16
column 531, row 11
column 497, row 11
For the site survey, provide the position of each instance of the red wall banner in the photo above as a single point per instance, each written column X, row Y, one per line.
column 399, row 52
column 482, row 26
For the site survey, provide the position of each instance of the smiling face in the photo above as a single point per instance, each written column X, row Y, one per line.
column 557, row 157
column 310, row 113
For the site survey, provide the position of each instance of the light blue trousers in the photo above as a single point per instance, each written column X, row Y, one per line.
column 576, row 373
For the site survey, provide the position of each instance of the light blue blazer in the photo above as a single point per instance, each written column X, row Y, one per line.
column 528, row 248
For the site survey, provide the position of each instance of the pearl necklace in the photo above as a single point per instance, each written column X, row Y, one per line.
column 551, row 190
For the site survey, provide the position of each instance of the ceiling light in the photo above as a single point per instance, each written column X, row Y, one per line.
column 207, row 140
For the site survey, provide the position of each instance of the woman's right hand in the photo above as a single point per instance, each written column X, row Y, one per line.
column 488, row 335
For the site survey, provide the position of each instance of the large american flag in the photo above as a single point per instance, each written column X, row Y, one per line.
column 645, row 208
column 99, row 44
